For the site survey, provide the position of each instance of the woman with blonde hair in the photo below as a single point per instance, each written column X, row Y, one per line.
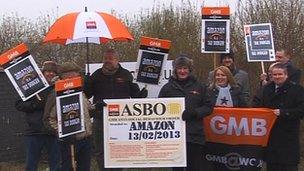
column 224, row 91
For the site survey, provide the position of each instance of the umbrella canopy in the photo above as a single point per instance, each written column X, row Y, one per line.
column 87, row 27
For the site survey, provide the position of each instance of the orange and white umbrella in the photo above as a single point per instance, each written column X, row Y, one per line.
column 87, row 27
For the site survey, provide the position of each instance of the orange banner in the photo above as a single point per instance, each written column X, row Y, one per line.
column 13, row 53
column 154, row 42
column 215, row 11
column 67, row 84
column 236, row 126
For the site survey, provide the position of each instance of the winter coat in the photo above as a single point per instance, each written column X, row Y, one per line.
column 50, row 117
column 195, row 98
column 294, row 74
column 237, row 96
column 242, row 80
column 283, row 146
column 34, row 109
column 117, row 86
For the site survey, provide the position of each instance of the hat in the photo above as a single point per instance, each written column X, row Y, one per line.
column 49, row 66
column 183, row 60
column 230, row 55
column 68, row 67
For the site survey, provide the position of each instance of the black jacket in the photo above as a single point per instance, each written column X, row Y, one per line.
column 117, row 86
column 34, row 109
column 195, row 98
column 283, row 146
column 237, row 96
column 294, row 74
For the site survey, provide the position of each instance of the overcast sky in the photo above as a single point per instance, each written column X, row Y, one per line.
column 35, row 8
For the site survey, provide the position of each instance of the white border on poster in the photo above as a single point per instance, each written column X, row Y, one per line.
column 46, row 85
column 59, row 118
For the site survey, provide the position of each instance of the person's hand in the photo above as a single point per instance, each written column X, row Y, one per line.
column 189, row 114
column 276, row 112
column 263, row 77
column 100, row 104
column 143, row 93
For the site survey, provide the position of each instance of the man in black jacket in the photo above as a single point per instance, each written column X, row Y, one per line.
column 109, row 82
column 283, row 56
column 36, row 137
column 286, row 98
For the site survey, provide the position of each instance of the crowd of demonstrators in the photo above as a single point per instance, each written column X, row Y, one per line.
column 37, row 138
column 241, row 77
column 228, row 87
column 184, row 84
column 286, row 98
column 112, row 81
column 81, row 141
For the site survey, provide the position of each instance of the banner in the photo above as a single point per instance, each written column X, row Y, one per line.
column 23, row 72
column 142, row 133
column 259, row 42
column 236, row 137
column 215, row 30
column 152, row 54
column 69, row 104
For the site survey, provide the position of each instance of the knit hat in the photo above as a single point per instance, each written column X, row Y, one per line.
column 68, row 67
column 49, row 66
column 230, row 55
column 183, row 60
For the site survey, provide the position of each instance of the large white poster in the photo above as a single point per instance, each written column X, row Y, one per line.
column 141, row 133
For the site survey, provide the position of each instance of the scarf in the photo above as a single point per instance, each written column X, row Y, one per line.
column 224, row 97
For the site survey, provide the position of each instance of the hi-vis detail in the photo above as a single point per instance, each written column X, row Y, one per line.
column 144, row 109
column 235, row 126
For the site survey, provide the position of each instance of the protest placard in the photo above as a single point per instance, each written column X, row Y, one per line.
column 152, row 55
column 215, row 30
column 142, row 133
column 69, row 105
column 259, row 42
column 23, row 72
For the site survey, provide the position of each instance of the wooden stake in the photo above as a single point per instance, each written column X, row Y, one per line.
column 73, row 157
column 263, row 68
column 214, row 61
column 38, row 97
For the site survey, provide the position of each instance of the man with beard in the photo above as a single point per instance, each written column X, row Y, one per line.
column 109, row 82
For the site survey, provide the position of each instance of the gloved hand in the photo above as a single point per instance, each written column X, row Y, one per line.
column 189, row 114
column 100, row 104
column 143, row 93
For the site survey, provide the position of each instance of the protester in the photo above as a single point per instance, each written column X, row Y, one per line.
column 283, row 56
column 37, row 137
column 183, row 84
column 286, row 98
column 241, row 77
column 109, row 82
column 81, row 141
column 224, row 92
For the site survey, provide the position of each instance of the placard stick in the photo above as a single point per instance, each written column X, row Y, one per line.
column 214, row 60
column 73, row 157
column 263, row 68
column 38, row 97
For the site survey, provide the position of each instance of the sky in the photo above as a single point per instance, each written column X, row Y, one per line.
column 32, row 9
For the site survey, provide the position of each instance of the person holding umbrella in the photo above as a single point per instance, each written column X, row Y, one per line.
column 109, row 82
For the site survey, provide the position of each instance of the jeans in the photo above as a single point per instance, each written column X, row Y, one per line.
column 35, row 144
column 82, row 149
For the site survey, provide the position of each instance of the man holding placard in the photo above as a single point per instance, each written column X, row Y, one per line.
column 37, row 137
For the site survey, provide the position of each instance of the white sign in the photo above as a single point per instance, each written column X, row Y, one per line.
column 142, row 133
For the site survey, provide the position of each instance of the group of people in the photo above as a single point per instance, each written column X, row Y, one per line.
column 227, row 86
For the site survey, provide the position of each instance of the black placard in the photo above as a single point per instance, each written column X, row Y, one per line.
column 215, row 35
column 150, row 67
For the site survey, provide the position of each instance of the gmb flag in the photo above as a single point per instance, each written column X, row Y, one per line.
column 236, row 137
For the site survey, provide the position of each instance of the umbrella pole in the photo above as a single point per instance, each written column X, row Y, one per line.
column 88, row 60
